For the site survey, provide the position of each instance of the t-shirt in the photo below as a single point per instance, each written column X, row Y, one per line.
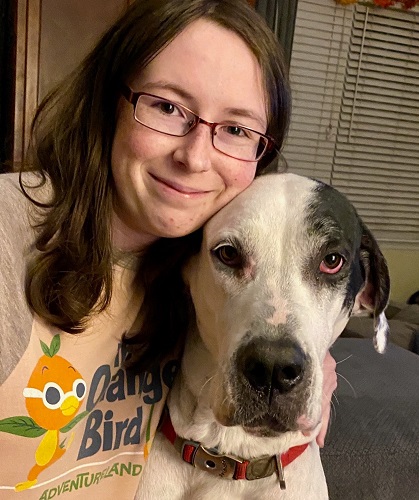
column 74, row 423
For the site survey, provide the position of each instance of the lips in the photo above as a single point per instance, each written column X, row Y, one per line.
column 186, row 190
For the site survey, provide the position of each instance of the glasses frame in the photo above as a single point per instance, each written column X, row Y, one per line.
column 33, row 393
column 132, row 97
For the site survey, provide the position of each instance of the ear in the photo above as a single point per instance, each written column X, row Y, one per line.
column 375, row 293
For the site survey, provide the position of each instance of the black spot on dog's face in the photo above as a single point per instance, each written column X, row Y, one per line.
column 355, row 282
column 336, row 232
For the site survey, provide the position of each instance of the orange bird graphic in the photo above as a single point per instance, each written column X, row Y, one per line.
column 53, row 396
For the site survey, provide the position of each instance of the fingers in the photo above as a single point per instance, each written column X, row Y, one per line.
column 320, row 439
column 329, row 386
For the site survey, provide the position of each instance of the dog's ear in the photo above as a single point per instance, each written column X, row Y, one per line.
column 375, row 293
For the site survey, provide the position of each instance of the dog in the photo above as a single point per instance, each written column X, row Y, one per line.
column 280, row 270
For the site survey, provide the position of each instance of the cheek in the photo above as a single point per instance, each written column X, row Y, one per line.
column 131, row 147
column 239, row 178
column 134, row 144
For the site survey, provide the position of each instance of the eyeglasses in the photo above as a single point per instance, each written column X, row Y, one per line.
column 172, row 118
column 53, row 396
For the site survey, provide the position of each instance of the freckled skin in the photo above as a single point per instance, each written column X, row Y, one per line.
column 145, row 208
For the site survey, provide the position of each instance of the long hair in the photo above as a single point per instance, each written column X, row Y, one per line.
column 70, row 277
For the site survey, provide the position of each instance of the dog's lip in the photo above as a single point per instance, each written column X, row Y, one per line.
column 307, row 425
column 263, row 431
column 268, row 425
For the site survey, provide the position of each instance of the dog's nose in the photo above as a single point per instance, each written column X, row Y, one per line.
column 271, row 365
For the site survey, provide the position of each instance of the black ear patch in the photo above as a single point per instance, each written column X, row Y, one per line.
column 369, row 282
column 375, row 293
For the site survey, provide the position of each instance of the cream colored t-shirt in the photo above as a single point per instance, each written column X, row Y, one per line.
column 74, row 424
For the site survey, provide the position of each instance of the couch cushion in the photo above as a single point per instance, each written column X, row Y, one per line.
column 402, row 333
column 410, row 314
column 372, row 448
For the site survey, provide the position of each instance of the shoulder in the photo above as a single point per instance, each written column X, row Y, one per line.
column 16, row 237
column 15, row 210
column 12, row 200
column 9, row 187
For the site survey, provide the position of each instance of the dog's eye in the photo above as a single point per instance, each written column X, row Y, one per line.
column 228, row 255
column 332, row 263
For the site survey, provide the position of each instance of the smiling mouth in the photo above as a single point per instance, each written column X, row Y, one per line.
column 178, row 187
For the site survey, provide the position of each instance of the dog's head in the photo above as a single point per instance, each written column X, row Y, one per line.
column 279, row 273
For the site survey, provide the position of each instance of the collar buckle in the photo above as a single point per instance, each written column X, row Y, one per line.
column 214, row 463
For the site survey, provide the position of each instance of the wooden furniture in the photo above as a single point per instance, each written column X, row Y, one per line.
column 51, row 38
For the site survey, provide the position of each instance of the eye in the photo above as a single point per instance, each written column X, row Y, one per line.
column 79, row 388
column 167, row 108
column 234, row 130
column 228, row 255
column 52, row 396
column 332, row 263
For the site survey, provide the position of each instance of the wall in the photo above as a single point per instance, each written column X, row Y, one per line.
column 404, row 272
column 68, row 30
column 51, row 38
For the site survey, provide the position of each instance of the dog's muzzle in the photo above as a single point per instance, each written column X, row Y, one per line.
column 271, row 384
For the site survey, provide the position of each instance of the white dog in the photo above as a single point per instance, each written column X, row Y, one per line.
column 280, row 270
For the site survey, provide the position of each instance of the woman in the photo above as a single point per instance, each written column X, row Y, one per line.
column 179, row 106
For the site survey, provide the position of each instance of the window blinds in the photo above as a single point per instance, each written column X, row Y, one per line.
column 317, row 71
column 355, row 75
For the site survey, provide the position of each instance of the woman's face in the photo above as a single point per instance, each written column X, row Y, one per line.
column 169, row 186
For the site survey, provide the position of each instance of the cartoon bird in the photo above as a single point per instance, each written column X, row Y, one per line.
column 53, row 396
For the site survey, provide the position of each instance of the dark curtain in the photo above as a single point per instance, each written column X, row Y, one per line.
column 7, row 81
column 280, row 15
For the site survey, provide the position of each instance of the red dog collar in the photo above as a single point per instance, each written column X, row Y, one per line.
column 230, row 467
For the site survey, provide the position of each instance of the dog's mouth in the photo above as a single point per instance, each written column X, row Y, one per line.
column 272, row 424
column 264, row 420
column 267, row 426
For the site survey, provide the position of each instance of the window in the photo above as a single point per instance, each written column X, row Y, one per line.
column 355, row 75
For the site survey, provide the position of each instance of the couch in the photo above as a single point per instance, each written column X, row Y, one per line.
column 372, row 446
column 403, row 320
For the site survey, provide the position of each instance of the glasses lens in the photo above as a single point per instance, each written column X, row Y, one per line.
column 239, row 142
column 163, row 115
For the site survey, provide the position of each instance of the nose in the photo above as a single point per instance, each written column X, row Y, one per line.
column 272, row 366
column 194, row 149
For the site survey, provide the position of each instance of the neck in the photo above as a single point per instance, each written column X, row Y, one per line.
column 129, row 239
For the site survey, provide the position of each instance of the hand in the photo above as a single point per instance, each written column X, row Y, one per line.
column 330, row 382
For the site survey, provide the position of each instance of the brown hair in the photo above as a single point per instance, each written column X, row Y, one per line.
column 71, row 142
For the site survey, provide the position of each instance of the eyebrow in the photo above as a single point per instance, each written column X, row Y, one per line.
column 246, row 113
column 239, row 112
column 169, row 86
